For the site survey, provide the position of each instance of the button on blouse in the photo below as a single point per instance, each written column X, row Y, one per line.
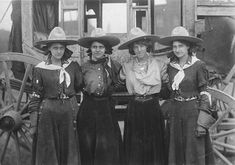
column 96, row 78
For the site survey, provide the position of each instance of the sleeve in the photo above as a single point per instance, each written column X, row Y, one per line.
column 117, row 85
column 164, row 74
column 205, row 97
column 165, row 90
column 205, row 118
column 78, row 78
column 122, row 73
column 37, row 95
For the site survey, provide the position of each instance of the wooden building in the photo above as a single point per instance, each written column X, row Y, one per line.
column 212, row 20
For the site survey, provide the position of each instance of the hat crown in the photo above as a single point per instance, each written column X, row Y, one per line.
column 136, row 32
column 179, row 31
column 98, row 32
column 57, row 34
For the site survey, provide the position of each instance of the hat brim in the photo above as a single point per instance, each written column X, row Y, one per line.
column 168, row 40
column 86, row 41
column 127, row 44
column 44, row 43
column 163, row 51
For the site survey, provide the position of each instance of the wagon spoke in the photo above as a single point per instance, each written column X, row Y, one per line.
column 25, row 128
column 24, row 108
column 221, row 134
column 17, row 147
column 26, row 75
column 25, row 115
column 8, row 107
column 221, row 156
column 224, row 145
column 219, row 120
column 2, row 102
column 5, row 146
column 26, row 139
column 1, row 132
column 8, row 86
column 26, row 121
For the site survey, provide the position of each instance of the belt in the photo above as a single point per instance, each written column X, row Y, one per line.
column 143, row 98
column 97, row 98
column 61, row 97
column 180, row 98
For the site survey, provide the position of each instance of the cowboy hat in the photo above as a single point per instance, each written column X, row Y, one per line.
column 57, row 35
column 98, row 35
column 136, row 34
column 179, row 33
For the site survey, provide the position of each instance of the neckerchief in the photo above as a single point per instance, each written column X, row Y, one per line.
column 64, row 76
column 180, row 75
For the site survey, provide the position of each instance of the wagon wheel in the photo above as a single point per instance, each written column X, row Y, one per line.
column 14, row 118
column 224, row 127
column 228, row 83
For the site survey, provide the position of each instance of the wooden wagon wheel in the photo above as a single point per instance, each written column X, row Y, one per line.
column 224, row 127
column 14, row 118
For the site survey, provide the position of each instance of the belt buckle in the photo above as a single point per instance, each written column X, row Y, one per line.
column 143, row 98
column 180, row 98
column 63, row 96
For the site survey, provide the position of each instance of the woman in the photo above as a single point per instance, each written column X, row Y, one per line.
column 144, row 77
column 190, row 116
column 53, row 106
column 99, row 134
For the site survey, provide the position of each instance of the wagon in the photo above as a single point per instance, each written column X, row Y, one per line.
column 78, row 18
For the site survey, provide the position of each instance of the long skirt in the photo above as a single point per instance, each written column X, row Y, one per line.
column 144, row 133
column 184, row 147
column 56, row 140
column 99, row 133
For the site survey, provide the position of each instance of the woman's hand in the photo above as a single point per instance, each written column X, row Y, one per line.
column 200, row 131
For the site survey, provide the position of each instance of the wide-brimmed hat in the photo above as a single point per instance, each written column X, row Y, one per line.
column 57, row 35
column 179, row 33
column 98, row 35
column 136, row 34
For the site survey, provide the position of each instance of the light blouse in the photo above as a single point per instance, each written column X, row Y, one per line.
column 144, row 79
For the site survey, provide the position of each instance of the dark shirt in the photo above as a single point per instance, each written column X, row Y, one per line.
column 195, row 80
column 100, row 77
column 46, row 83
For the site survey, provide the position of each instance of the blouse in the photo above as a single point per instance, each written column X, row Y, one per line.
column 146, row 79
column 51, row 81
column 190, row 80
column 100, row 77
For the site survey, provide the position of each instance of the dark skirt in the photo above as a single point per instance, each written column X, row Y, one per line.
column 144, row 133
column 99, row 133
column 184, row 147
column 56, row 139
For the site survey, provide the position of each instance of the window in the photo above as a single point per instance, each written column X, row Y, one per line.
column 114, row 17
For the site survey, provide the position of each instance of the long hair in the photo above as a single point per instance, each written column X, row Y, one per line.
column 147, row 43
column 108, row 48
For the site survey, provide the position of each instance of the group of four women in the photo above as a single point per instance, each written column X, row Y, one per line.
column 66, row 134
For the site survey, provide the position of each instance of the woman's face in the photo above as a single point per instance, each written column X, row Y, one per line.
column 97, row 50
column 180, row 49
column 140, row 50
column 57, row 50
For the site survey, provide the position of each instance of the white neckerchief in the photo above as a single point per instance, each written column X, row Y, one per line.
column 180, row 75
column 64, row 76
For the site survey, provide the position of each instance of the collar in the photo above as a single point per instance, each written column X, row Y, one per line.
column 103, row 60
column 190, row 61
column 44, row 65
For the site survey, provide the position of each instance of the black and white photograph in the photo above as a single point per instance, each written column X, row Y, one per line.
column 117, row 82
